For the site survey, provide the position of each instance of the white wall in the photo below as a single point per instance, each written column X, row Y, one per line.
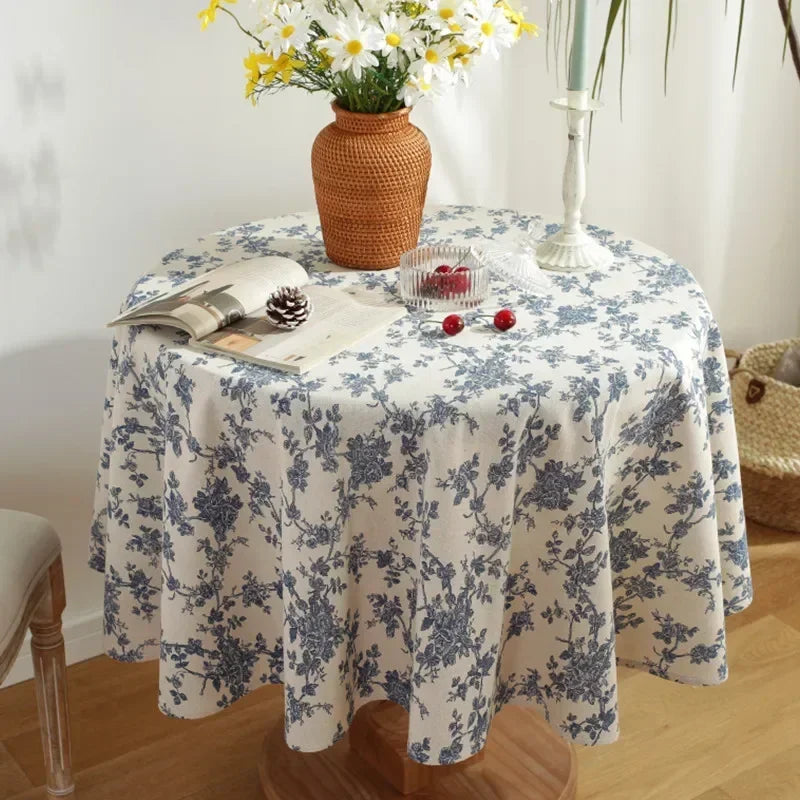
column 125, row 134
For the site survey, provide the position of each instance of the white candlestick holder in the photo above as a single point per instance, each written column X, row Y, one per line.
column 572, row 249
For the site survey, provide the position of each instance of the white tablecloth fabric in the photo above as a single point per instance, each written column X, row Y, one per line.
column 450, row 523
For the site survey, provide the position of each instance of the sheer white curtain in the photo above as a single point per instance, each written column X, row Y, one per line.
column 709, row 175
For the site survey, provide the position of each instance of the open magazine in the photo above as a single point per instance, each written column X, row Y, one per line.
column 223, row 311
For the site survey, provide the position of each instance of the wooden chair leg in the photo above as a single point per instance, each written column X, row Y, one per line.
column 50, row 672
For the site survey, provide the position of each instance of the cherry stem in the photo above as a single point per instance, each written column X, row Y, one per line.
column 461, row 259
column 437, row 322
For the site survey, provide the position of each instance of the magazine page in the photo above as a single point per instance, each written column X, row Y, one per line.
column 217, row 298
column 340, row 319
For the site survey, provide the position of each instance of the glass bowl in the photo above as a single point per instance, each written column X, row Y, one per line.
column 443, row 277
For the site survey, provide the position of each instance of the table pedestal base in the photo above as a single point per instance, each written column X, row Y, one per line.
column 523, row 760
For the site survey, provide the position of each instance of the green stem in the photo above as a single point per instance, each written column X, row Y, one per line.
column 240, row 26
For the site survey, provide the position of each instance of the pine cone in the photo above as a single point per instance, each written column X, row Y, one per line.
column 288, row 307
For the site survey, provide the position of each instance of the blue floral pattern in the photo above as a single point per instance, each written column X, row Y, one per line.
column 450, row 523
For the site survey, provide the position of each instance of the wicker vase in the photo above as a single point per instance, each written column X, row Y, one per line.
column 370, row 178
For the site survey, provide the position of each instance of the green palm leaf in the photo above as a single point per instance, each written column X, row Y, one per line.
column 619, row 14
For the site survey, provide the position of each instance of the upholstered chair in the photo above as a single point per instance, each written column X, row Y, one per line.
column 32, row 594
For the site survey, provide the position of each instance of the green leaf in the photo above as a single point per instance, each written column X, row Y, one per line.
column 738, row 42
column 671, row 19
column 788, row 29
column 613, row 12
column 626, row 10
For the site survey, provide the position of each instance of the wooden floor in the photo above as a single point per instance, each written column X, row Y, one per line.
column 739, row 741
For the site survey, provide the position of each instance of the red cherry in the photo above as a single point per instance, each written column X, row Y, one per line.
column 460, row 281
column 505, row 319
column 452, row 324
column 443, row 269
column 456, row 283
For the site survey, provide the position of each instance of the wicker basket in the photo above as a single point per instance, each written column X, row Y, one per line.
column 370, row 179
column 767, row 416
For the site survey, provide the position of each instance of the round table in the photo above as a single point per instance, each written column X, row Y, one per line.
column 452, row 524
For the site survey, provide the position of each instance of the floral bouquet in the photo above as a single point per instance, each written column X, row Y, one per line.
column 373, row 56
column 377, row 58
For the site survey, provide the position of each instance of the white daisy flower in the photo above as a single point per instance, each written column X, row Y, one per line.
column 417, row 88
column 315, row 7
column 433, row 61
column 325, row 19
column 398, row 37
column 462, row 62
column 286, row 28
column 369, row 9
column 264, row 7
column 445, row 15
column 350, row 44
column 488, row 28
column 374, row 8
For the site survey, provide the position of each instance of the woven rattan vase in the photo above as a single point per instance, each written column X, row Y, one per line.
column 370, row 178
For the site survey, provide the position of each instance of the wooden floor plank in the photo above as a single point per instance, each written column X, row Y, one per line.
column 714, row 794
column 192, row 760
column 678, row 741
column 777, row 576
column 790, row 614
column 244, row 786
column 97, row 735
column 777, row 778
column 729, row 728
column 12, row 779
column 83, row 679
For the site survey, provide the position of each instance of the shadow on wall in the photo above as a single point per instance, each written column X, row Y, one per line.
column 30, row 187
column 50, row 421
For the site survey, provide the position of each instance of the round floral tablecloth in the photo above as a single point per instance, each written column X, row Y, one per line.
column 450, row 523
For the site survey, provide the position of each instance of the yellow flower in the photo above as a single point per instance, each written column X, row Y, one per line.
column 250, row 90
column 208, row 15
column 517, row 19
column 525, row 27
column 253, row 64
column 461, row 54
column 282, row 67
column 325, row 59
